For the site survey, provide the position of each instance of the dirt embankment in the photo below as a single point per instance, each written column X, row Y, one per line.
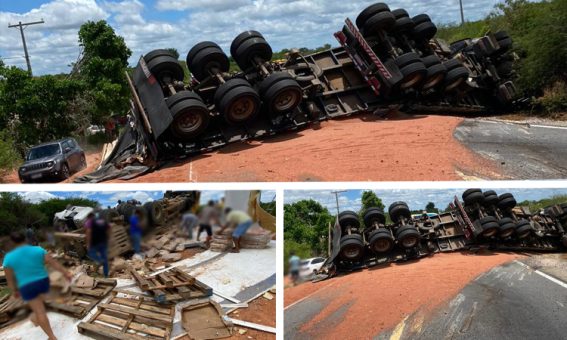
column 362, row 148
column 378, row 299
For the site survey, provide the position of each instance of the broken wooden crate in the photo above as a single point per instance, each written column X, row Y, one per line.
column 205, row 320
column 12, row 310
column 81, row 300
column 130, row 318
column 172, row 285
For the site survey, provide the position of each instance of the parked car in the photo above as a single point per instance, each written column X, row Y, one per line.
column 53, row 160
column 310, row 266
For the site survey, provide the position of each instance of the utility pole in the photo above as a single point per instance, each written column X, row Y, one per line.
column 462, row 13
column 329, row 229
column 22, row 26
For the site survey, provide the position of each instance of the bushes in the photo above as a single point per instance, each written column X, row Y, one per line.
column 9, row 157
column 554, row 98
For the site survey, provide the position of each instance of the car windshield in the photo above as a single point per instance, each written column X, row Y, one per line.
column 44, row 151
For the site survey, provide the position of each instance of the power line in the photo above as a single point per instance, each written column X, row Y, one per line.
column 21, row 26
column 336, row 193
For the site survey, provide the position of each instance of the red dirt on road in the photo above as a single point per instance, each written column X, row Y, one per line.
column 363, row 148
column 381, row 298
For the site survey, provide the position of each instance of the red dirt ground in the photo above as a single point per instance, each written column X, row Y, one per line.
column 362, row 148
column 381, row 298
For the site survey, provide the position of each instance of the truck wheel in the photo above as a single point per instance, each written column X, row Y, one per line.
column 206, row 58
column 425, row 30
column 505, row 69
column 489, row 226
column 431, row 60
column 507, row 227
column 472, row 196
column 241, row 38
column 154, row 211
column 127, row 211
column 157, row 53
column 378, row 22
column 352, row 247
column 408, row 236
column 490, row 198
column 506, row 201
column 280, row 93
column 249, row 50
column 403, row 21
column 191, row 116
column 406, row 59
column 372, row 215
column 347, row 219
column 413, row 75
column 421, row 18
column 435, row 76
column 523, row 229
column 455, row 77
column 369, row 12
column 166, row 68
column 65, row 173
column 398, row 210
column 381, row 240
column 237, row 101
column 109, row 214
column 452, row 64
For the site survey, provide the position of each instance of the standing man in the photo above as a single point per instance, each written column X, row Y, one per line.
column 136, row 231
column 27, row 277
column 97, row 236
column 209, row 215
column 239, row 220
column 188, row 222
column 294, row 262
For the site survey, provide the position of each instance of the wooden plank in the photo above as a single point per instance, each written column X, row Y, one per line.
column 129, row 302
column 254, row 326
column 160, row 319
column 144, row 284
column 133, row 325
column 108, row 332
column 165, row 280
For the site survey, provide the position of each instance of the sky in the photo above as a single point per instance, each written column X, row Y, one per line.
column 150, row 24
column 416, row 199
column 109, row 198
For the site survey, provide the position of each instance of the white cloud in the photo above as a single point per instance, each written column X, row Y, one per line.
column 284, row 23
column 141, row 196
column 37, row 196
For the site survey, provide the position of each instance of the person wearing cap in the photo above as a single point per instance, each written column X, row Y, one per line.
column 97, row 236
column 27, row 277
column 240, row 221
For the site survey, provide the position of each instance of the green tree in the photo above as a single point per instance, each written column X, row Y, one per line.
column 16, row 214
column 430, row 208
column 370, row 200
column 102, row 66
column 307, row 222
column 174, row 51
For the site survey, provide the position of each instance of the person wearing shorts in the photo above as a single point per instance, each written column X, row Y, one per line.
column 239, row 220
column 188, row 222
column 208, row 215
column 294, row 263
column 26, row 273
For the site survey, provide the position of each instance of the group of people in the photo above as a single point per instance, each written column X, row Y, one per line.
column 209, row 216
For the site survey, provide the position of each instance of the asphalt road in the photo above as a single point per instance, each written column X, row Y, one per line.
column 512, row 301
column 523, row 151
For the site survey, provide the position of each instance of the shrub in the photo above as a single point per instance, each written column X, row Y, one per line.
column 554, row 98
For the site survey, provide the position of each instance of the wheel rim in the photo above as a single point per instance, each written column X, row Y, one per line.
column 286, row 100
column 65, row 171
column 382, row 245
column 189, row 122
column 351, row 252
column 454, row 84
column 242, row 108
column 411, row 80
column 432, row 81
column 490, row 232
column 409, row 242
column 83, row 161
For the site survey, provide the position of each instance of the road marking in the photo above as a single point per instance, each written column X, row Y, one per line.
column 190, row 171
column 399, row 330
column 549, row 277
column 308, row 296
column 550, row 126
column 499, row 121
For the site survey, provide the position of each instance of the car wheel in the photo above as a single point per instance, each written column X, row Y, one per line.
column 65, row 174
column 83, row 162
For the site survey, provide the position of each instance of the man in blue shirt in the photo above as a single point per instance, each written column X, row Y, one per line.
column 136, row 231
column 26, row 273
column 97, row 235
column 294, row 262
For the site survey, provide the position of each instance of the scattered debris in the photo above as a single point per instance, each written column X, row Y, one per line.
column 206, row 320
column 253, row 325
column 268, row 296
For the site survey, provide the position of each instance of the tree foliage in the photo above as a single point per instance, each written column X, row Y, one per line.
column 430, row 208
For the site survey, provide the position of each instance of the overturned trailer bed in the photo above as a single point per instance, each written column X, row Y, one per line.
column 387, row 61
column 482, row 220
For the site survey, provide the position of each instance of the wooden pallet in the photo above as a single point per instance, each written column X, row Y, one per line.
column 82, row 300
column 131, row 318
column 119, row 241
column 172, row 285
column 12, row 310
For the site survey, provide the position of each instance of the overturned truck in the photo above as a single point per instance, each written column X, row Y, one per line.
column 386, row 60
column 482, row 219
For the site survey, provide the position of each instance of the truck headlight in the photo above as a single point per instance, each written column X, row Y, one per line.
column 22, row 169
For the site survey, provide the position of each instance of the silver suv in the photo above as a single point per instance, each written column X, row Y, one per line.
column 53, row 160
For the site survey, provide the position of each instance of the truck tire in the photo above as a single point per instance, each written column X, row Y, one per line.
column 455, row 77
column 523, row 229
column 403, row 21
column 155, row 213
column 237, row 101
column 452, row 64
column 431, row 60
column 407, row 236
column 250, row 49
column 506, row 201
column 472, row 196
column 507, row 227
column 381, row 240
column 205, row 58
column 398, row 210
column 369, row 12
column 490, row 198
column 421, row 18
column 241, row 38
column 191, row 116
column 413, row 75
column 109, row 214
column 489, row 226
column 352, row 247
column 347, row 219
column 157, row 53
column 383, row 21
column 127, row 211
column 425, row 30
column 372, row 215
column 400, row 13
column 166, row 68
column 435, row 76
column 505, row 69
column 280, row 93
column 406, row 59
